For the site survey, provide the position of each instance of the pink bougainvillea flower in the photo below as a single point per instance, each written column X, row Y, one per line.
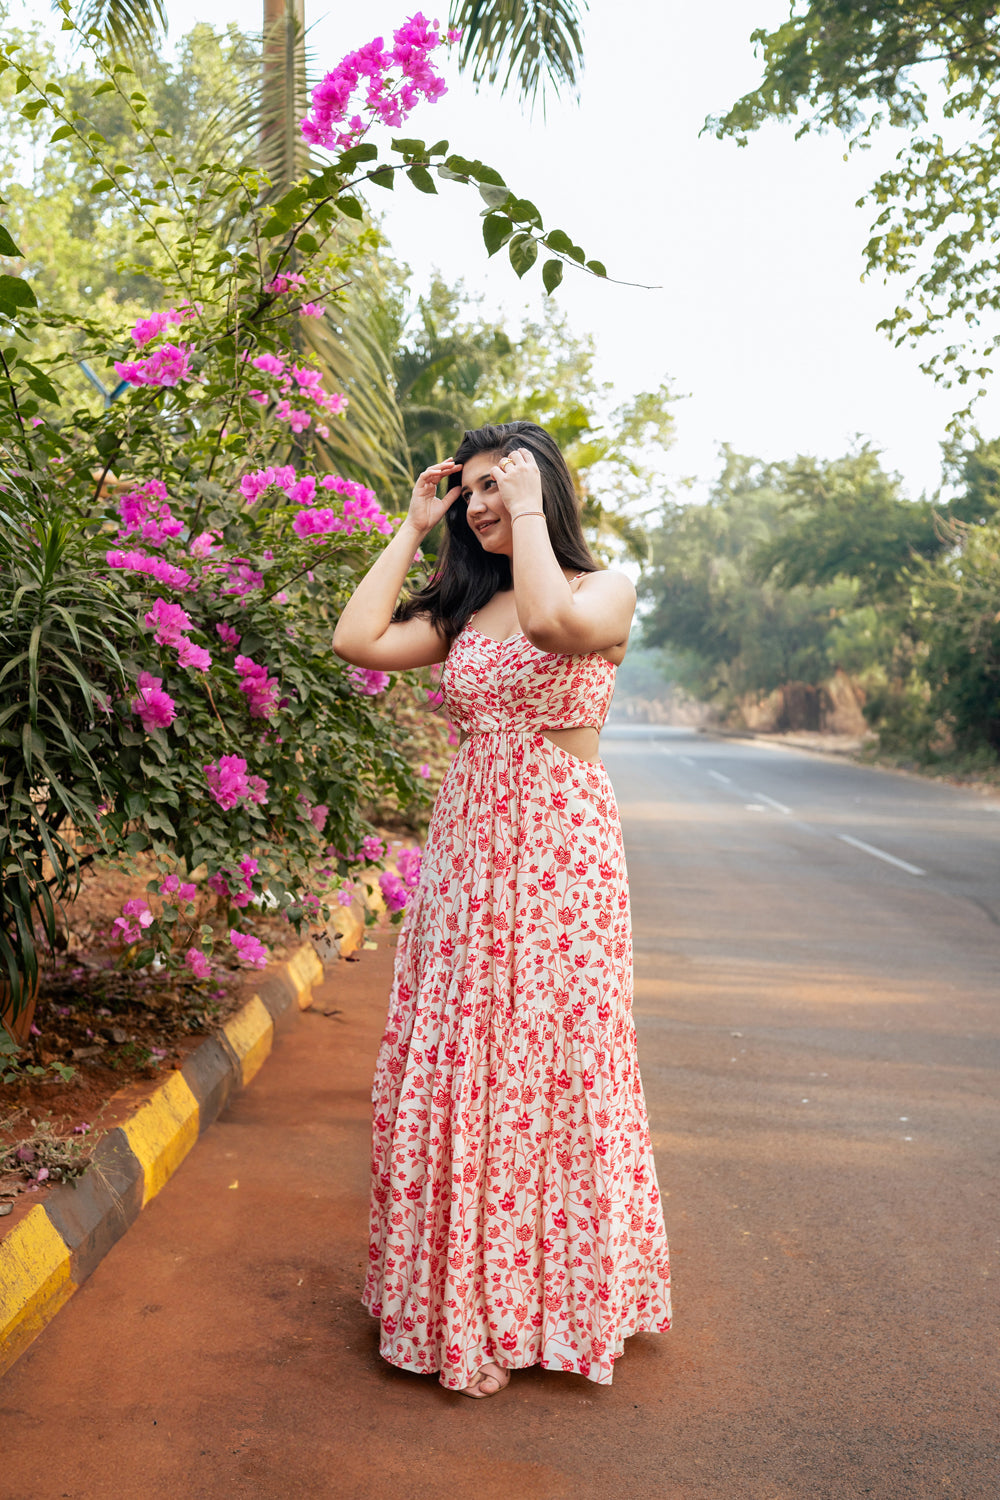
column 205, row 543
column 190, row 655
column 304, row 492
column 252, row 485
column 168, row 621
column 372, row 848
column 369, row 681
column 311, row 310
column 261, row 691
column 135, row 916
column 198, row 963
column 219, row 884
column 168, row 885
column 363, row 79
column 228, row 635
column 408, row 863
column 187, row 891
column 250, row 949
column 227, row 780
column 156, row 567
column 150, row 328
column 283, row 281
column 424, row 771
column 167, row 366
column 319, row 815
column 269, row 364
column 347, row 893
column 258, row 788
column 155, row 708
column 393, row 890
column 296, row 419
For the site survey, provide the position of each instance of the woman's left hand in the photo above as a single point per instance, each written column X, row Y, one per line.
column 519, row 482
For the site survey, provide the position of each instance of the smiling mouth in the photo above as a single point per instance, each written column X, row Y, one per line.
column 486, row 525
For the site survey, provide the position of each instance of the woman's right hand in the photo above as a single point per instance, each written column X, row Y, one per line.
column 426, row 505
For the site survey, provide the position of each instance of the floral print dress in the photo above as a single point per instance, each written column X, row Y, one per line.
column 515, row 1215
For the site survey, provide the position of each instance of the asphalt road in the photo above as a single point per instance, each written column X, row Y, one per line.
column 817, row 991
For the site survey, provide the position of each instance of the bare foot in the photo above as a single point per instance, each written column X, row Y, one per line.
column 489, row 1380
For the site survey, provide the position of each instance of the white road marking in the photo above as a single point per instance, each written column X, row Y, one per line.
column 890, row 859
column 763, row 797
column 726, row 780
column 686, row 760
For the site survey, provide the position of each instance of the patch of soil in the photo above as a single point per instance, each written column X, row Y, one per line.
column 106, row 1034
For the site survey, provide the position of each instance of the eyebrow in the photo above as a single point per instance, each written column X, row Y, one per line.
column 467, row 489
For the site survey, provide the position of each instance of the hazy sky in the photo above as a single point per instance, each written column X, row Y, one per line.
column 760, row 317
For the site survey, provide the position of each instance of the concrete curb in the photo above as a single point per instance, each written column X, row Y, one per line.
column 54, row 1248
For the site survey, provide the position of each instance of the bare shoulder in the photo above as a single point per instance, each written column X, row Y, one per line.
column 609, row 586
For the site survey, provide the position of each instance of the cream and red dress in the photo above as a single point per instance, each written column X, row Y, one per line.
column 515, row 1215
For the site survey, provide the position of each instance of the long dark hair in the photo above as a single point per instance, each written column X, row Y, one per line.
column 466, row 577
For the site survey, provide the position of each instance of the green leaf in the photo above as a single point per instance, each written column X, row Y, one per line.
column 351, row 207
column 407, row 147
column 29, row 111
column 7, row 246
column 16, row 293
column 103, row 186
column 598, row 267
column 422, row 179
column 61, row 133
column 348, row 160
column 552, row 274
column 496, row 197
column 524, row 211
column 41, row 384
column 523, row 252
column 103, row 88
column 557, row 240
column 496, row 232
column 384, row 176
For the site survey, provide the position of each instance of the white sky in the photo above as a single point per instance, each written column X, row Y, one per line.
column 761, row 318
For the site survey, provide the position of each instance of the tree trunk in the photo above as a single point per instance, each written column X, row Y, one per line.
column 283, row 89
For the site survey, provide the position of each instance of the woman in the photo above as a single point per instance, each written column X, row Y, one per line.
column 515, row 1215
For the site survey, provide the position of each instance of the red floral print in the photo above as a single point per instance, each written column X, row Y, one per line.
column 515, row 1215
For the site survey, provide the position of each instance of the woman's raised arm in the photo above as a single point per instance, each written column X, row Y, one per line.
column 366, row 634
column 555, row 617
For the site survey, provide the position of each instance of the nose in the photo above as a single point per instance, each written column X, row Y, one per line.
column 477, row 505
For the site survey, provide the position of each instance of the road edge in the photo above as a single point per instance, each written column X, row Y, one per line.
column 55, row 1247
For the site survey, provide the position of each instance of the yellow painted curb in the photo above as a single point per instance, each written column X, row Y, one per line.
column 305, row 970
column 34, row 1282
column 349, row 925
column 162, row 1132
column 250, row 1034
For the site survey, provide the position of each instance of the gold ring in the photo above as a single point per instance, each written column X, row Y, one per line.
column 504, row 463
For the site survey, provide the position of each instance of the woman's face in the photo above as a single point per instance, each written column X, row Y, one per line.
column 485, row 512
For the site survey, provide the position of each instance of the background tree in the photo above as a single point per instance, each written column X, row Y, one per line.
column 734, row 632
column 859, row 65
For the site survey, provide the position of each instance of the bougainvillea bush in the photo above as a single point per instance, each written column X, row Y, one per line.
column 175, row 559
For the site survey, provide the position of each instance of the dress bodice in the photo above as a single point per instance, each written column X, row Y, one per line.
column 511, row 685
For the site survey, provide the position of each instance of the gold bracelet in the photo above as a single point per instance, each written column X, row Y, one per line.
column 526, row 513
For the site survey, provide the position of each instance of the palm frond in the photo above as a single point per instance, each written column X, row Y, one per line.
column 525, row 42
column 124, row 23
